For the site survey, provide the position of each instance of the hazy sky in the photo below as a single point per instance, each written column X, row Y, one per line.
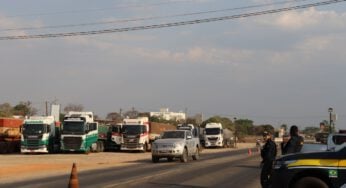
column 280, row 68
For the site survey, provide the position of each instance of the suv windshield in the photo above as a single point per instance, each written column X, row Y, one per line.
column 30, row 129
column 173, row 134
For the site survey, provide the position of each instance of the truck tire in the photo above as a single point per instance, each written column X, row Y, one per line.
column 184, row 156
column 155, row 159
column 170, row 159
column 102, row 146
column 3, row 147
column 145, row 147
column 196, row 155
column 310, row 182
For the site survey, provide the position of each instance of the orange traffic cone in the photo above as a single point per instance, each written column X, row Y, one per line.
column 73, row 183
column 249, row 152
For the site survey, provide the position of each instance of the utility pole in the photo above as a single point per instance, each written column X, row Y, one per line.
column 330, row 110
column 46, row 108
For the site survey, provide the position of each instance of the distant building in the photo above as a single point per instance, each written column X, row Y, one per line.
column 167, row 115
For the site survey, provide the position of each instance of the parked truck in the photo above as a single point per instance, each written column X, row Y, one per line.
column 80, row 133
column 40, row 134
column 138, row 134
column 216, row 136
column 10, row 135
column 114, row 137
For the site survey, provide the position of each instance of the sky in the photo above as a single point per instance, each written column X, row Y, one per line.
column 283, row 68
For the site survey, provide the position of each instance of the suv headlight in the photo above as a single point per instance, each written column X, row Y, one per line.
column 279, row 164
column 177, row 145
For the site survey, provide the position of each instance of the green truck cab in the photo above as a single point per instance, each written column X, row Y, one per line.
column 79, row 133
column 316, row 170
column 40, row 134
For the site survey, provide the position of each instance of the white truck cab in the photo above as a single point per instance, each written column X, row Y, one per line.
column 213, row 134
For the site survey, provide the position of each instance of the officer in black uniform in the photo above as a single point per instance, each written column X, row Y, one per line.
column 295, row 143
column 268, row 154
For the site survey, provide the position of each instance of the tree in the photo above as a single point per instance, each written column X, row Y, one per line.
column 73, row 107
column 311, row 131
column 284, row 126
column 244, row 127
column 114, row 116
column 132, row 113
column 24, row 109
column 6, row 110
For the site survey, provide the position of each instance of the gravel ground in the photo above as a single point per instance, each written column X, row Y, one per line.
column 17, row 167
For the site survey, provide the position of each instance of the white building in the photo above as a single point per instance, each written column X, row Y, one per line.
column 167, row 115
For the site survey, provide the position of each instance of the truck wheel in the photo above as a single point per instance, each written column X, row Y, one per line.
column 196, row 156
column 310, row 182
column 145, row 147
column 102, row 146
column 155, row 159
column 184, row 156
column 170, row 159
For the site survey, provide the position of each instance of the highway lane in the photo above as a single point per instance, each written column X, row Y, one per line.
column 222, row 169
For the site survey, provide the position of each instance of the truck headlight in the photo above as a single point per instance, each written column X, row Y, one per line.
column 279, row 164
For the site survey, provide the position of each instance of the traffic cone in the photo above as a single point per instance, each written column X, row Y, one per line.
column 249, row 152
column 73, row 183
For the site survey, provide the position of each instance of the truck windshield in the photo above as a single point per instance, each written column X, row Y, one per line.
column 31, row 129
column 212, row 131
column 71, row 127
column 133, row 129
column 173, row 134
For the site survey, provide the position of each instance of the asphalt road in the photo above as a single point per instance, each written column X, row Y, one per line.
column 223, row 169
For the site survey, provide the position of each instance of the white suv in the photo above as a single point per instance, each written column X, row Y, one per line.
column 175, row 144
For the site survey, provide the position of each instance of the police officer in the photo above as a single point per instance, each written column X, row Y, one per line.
column 268, row 154
column 295, row 143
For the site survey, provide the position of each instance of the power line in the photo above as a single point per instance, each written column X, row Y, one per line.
column 173, row 24
column 100, row 9
column 152, row 17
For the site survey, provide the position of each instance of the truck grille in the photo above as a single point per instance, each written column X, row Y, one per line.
column 131, row 142
column 212, row 138
column 33, row 143
column 72, row 142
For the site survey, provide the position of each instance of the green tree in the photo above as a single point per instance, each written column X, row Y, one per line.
column 73, row 107
column 24, row 109
column 226, row 122
column 311, row 131
column 244, row 127
column 284, row 126
column 6, row 110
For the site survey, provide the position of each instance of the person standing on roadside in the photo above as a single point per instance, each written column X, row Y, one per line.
column 284, row 142
column 295, row 143
column 268, row 154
